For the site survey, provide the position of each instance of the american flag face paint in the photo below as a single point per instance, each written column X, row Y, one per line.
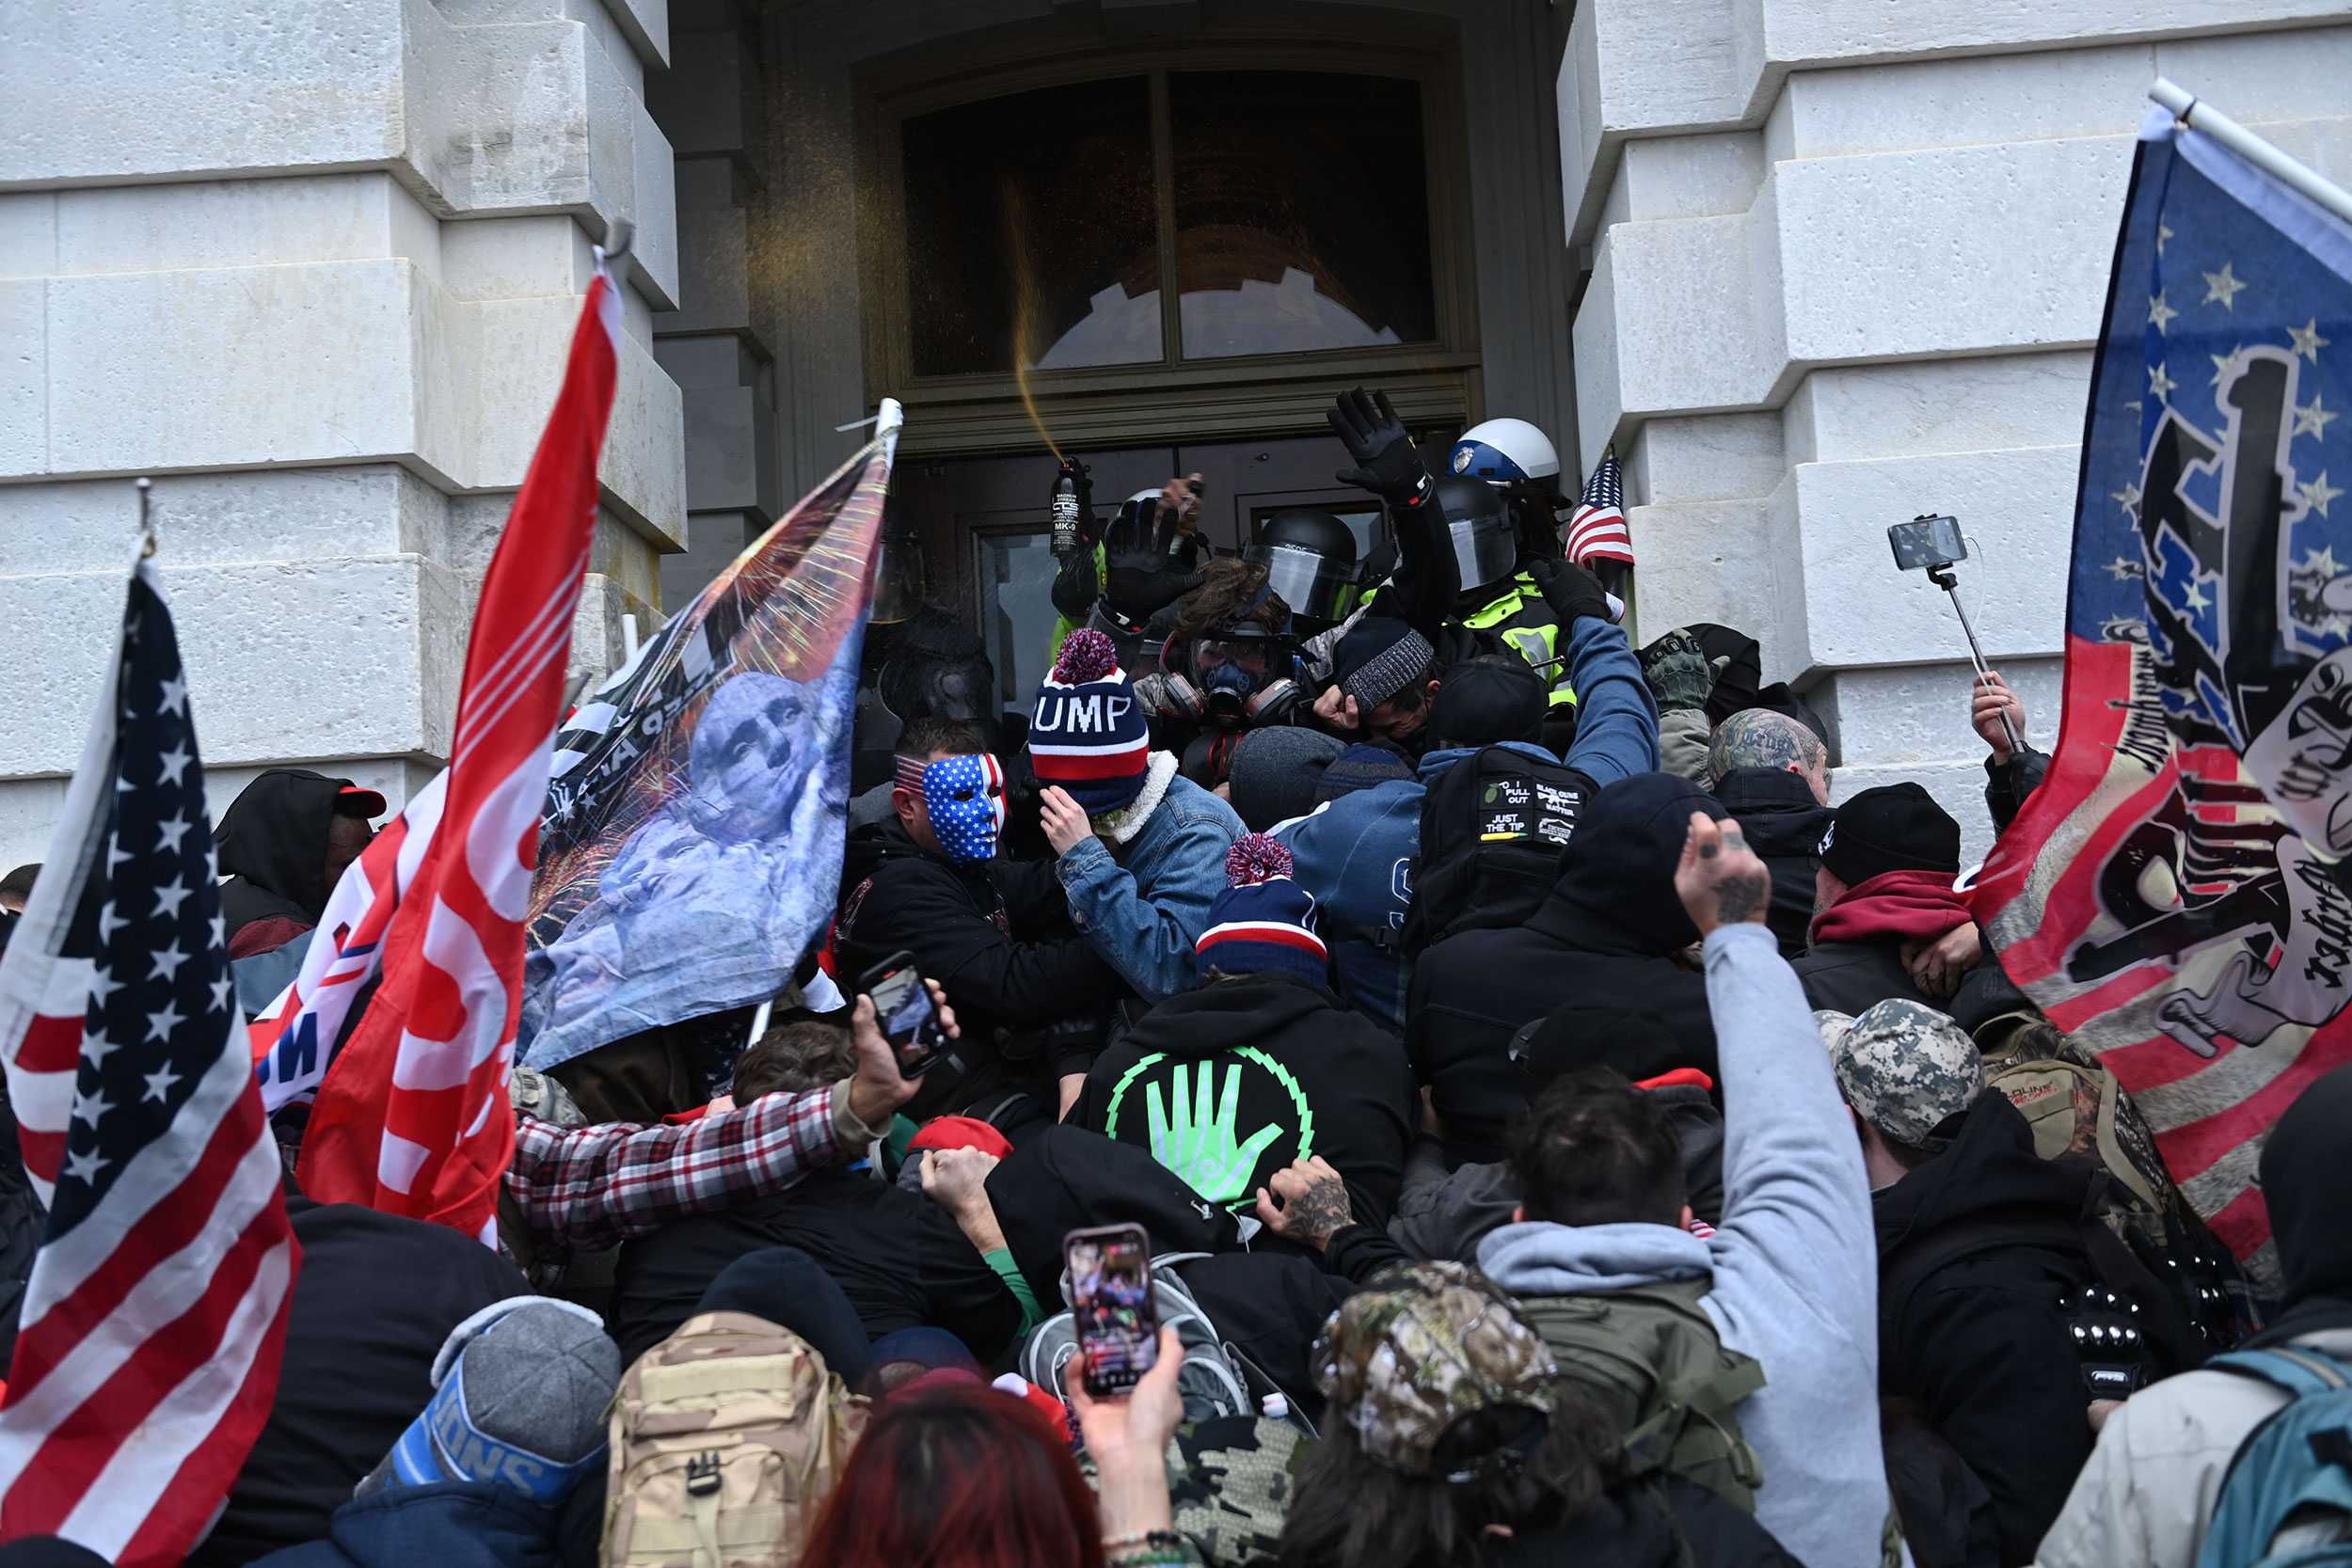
column 966, row 800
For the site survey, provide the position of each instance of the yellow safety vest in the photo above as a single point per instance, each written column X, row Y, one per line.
column 1525, row 620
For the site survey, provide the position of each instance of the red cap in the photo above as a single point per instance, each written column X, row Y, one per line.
column 363, row 801
column 960, row 1133
column 1680, row 1078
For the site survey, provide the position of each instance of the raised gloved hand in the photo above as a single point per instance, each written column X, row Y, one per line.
column 1151, row 558
column 1571, row 591
column 1386, row 463
column 1678, row 673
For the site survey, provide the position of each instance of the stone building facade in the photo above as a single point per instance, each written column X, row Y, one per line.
column 1811, row 265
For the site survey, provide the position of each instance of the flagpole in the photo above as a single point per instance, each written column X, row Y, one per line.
column 2200, row 116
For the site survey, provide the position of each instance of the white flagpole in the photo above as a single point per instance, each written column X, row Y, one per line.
column 2200, row 116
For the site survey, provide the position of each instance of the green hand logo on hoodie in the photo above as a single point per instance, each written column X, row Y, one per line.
column 1194, row 1127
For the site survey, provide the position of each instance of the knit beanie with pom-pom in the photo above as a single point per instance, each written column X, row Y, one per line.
column 1088, row 734
column 1263, row 920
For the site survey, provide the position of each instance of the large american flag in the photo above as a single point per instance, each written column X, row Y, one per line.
column 411, row 1114
column 148, row 1351
column 2177, row 893
column 1596, row 528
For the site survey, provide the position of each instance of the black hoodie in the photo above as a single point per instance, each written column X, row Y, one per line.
column 1264, row 1054
column 1979, row 1342
column 272, row 842
column 1607, row 933
column 1783, row 824
column 963, row 923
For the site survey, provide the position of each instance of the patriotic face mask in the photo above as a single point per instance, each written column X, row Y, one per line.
column 966, row 798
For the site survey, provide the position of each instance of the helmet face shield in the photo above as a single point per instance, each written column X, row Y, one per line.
column 1314, row 584
column 1485, row 549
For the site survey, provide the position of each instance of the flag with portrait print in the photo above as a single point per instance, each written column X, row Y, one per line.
column 2177, row 894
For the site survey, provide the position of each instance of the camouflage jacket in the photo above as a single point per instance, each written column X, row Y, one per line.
column 1229, row 1479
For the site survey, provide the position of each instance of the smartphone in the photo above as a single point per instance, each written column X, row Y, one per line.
column 902, row 1005
column 1110, row 1295
column 1924, row 542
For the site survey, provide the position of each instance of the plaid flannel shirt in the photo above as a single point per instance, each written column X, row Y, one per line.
column 585, row 1188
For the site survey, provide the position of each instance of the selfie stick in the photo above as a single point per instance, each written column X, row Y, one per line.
column 1944, row 577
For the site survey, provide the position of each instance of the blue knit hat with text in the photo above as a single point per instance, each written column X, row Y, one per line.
column 1263, row 920
column 1087, row 733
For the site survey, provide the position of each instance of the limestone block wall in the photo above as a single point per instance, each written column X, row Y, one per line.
column 313, row 264
column 718, row 345
column 1847, row 262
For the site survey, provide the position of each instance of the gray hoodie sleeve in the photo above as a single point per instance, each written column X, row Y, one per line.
column 1796, row 1259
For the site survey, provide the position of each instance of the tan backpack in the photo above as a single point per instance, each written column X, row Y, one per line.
column 727, row 1439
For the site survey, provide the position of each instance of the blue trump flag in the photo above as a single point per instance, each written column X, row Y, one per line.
column 2175, row 895
column 691, row 844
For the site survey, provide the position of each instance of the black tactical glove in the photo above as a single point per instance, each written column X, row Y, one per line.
column 1386, row 463
column 1677, row 671
column 1149, row 560
column 1569, row 589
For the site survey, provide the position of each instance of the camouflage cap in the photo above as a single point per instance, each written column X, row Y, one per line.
column 1904, row 1067
column 1834, row 1026
column 1426, row 1345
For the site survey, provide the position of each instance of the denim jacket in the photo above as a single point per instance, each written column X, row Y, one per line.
column 1141, row 889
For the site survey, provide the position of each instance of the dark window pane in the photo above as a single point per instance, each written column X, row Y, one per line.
column 1302, row 212
column 1031, row 230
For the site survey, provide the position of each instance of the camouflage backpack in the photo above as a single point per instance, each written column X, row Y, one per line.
column 2075, row 1108
column 1653, row 1356
column 725, row 1439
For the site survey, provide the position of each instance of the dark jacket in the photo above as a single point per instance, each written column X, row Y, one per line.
column 1682, row 1526
column 1267, row 1304
column 272, row 844
column 1850, row 976
column 24, row 1226
column 373, row 1301
column 964, row 924
column 898, row 1257
column 1783, row 824
column 449, row 1523
column 1977, row 1341
column 1301, row 1075
column 1607, row 931
column 2007, row 785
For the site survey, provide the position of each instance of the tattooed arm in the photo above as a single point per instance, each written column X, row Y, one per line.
column 1307, row 1203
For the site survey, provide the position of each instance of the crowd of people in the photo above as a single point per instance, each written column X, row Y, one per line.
column 1561, row 1133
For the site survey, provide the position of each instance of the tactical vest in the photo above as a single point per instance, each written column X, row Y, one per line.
column 1521, row 618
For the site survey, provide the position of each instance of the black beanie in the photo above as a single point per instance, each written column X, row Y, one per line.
column 2300, row 1167
column 1630, row 1038
column 1892, row 828
column 1487, row 700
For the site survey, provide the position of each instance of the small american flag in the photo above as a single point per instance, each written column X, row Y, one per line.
column 148, row 1352
column 1596, row 530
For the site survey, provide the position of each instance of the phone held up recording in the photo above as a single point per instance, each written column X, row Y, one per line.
column 904, row 1011
column 1110, row 1293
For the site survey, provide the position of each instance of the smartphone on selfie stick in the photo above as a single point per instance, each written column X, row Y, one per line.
column 1112, row 1309
column 1933, row 544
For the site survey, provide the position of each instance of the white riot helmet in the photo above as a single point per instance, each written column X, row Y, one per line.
column 1504, row 451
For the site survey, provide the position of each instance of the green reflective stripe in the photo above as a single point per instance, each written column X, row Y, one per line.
column 1526, row 622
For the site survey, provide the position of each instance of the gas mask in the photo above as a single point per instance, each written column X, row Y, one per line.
column 965, row 797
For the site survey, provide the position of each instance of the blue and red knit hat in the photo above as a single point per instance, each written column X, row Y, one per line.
column 1265, row 921
column 1088, row 734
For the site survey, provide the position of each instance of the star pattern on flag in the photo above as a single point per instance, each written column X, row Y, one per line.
column 2160, row 383
column 2305, row 340
column 2128, row 499
column 2222, row 363
column 2311, row 420
column 2318, row 493
column 155, row 1018
column 2159, row 314
column 2221, row 288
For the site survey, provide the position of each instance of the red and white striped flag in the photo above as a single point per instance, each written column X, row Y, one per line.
column 148, row 1350
column 412, row 1116
column 1596, row 528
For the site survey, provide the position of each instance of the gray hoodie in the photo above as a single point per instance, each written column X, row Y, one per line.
column 1794, row 1263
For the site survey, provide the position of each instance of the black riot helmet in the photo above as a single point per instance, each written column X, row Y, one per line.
column 1309, row 560
column 1480, row 531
